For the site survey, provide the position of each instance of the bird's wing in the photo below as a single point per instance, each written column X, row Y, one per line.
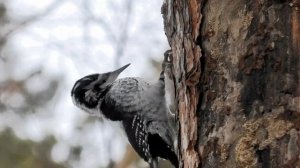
column 129, row 97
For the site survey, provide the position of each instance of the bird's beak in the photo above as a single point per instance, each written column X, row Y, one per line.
column 113, row 76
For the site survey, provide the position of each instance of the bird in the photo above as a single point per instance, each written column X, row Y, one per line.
column 139, row 105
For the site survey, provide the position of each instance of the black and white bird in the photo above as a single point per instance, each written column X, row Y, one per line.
column 140, row 106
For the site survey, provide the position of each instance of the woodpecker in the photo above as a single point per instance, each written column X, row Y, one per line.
column 140, row 106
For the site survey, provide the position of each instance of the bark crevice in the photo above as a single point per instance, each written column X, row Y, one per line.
column 236, row 68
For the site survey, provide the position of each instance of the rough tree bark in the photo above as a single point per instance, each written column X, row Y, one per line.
column 237, row 76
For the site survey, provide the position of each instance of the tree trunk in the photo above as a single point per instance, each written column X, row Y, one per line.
column 237, row 76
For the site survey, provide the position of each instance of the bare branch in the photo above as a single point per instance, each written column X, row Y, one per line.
column 122, row 41
column 32, row 19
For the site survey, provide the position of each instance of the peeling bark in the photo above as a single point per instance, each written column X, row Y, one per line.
column 237, row 76
column 182, row 22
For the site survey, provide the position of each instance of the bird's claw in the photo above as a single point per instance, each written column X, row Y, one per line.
column 168, row 60
column 168, row 57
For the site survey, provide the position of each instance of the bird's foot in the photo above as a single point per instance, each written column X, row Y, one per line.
column 168, row 59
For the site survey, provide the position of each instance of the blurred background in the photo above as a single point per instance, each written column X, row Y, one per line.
column 45, row 46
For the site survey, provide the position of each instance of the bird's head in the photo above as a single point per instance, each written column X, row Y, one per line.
column 89, row 91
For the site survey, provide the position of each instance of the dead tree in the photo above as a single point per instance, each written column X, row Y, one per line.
column 237, row 79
